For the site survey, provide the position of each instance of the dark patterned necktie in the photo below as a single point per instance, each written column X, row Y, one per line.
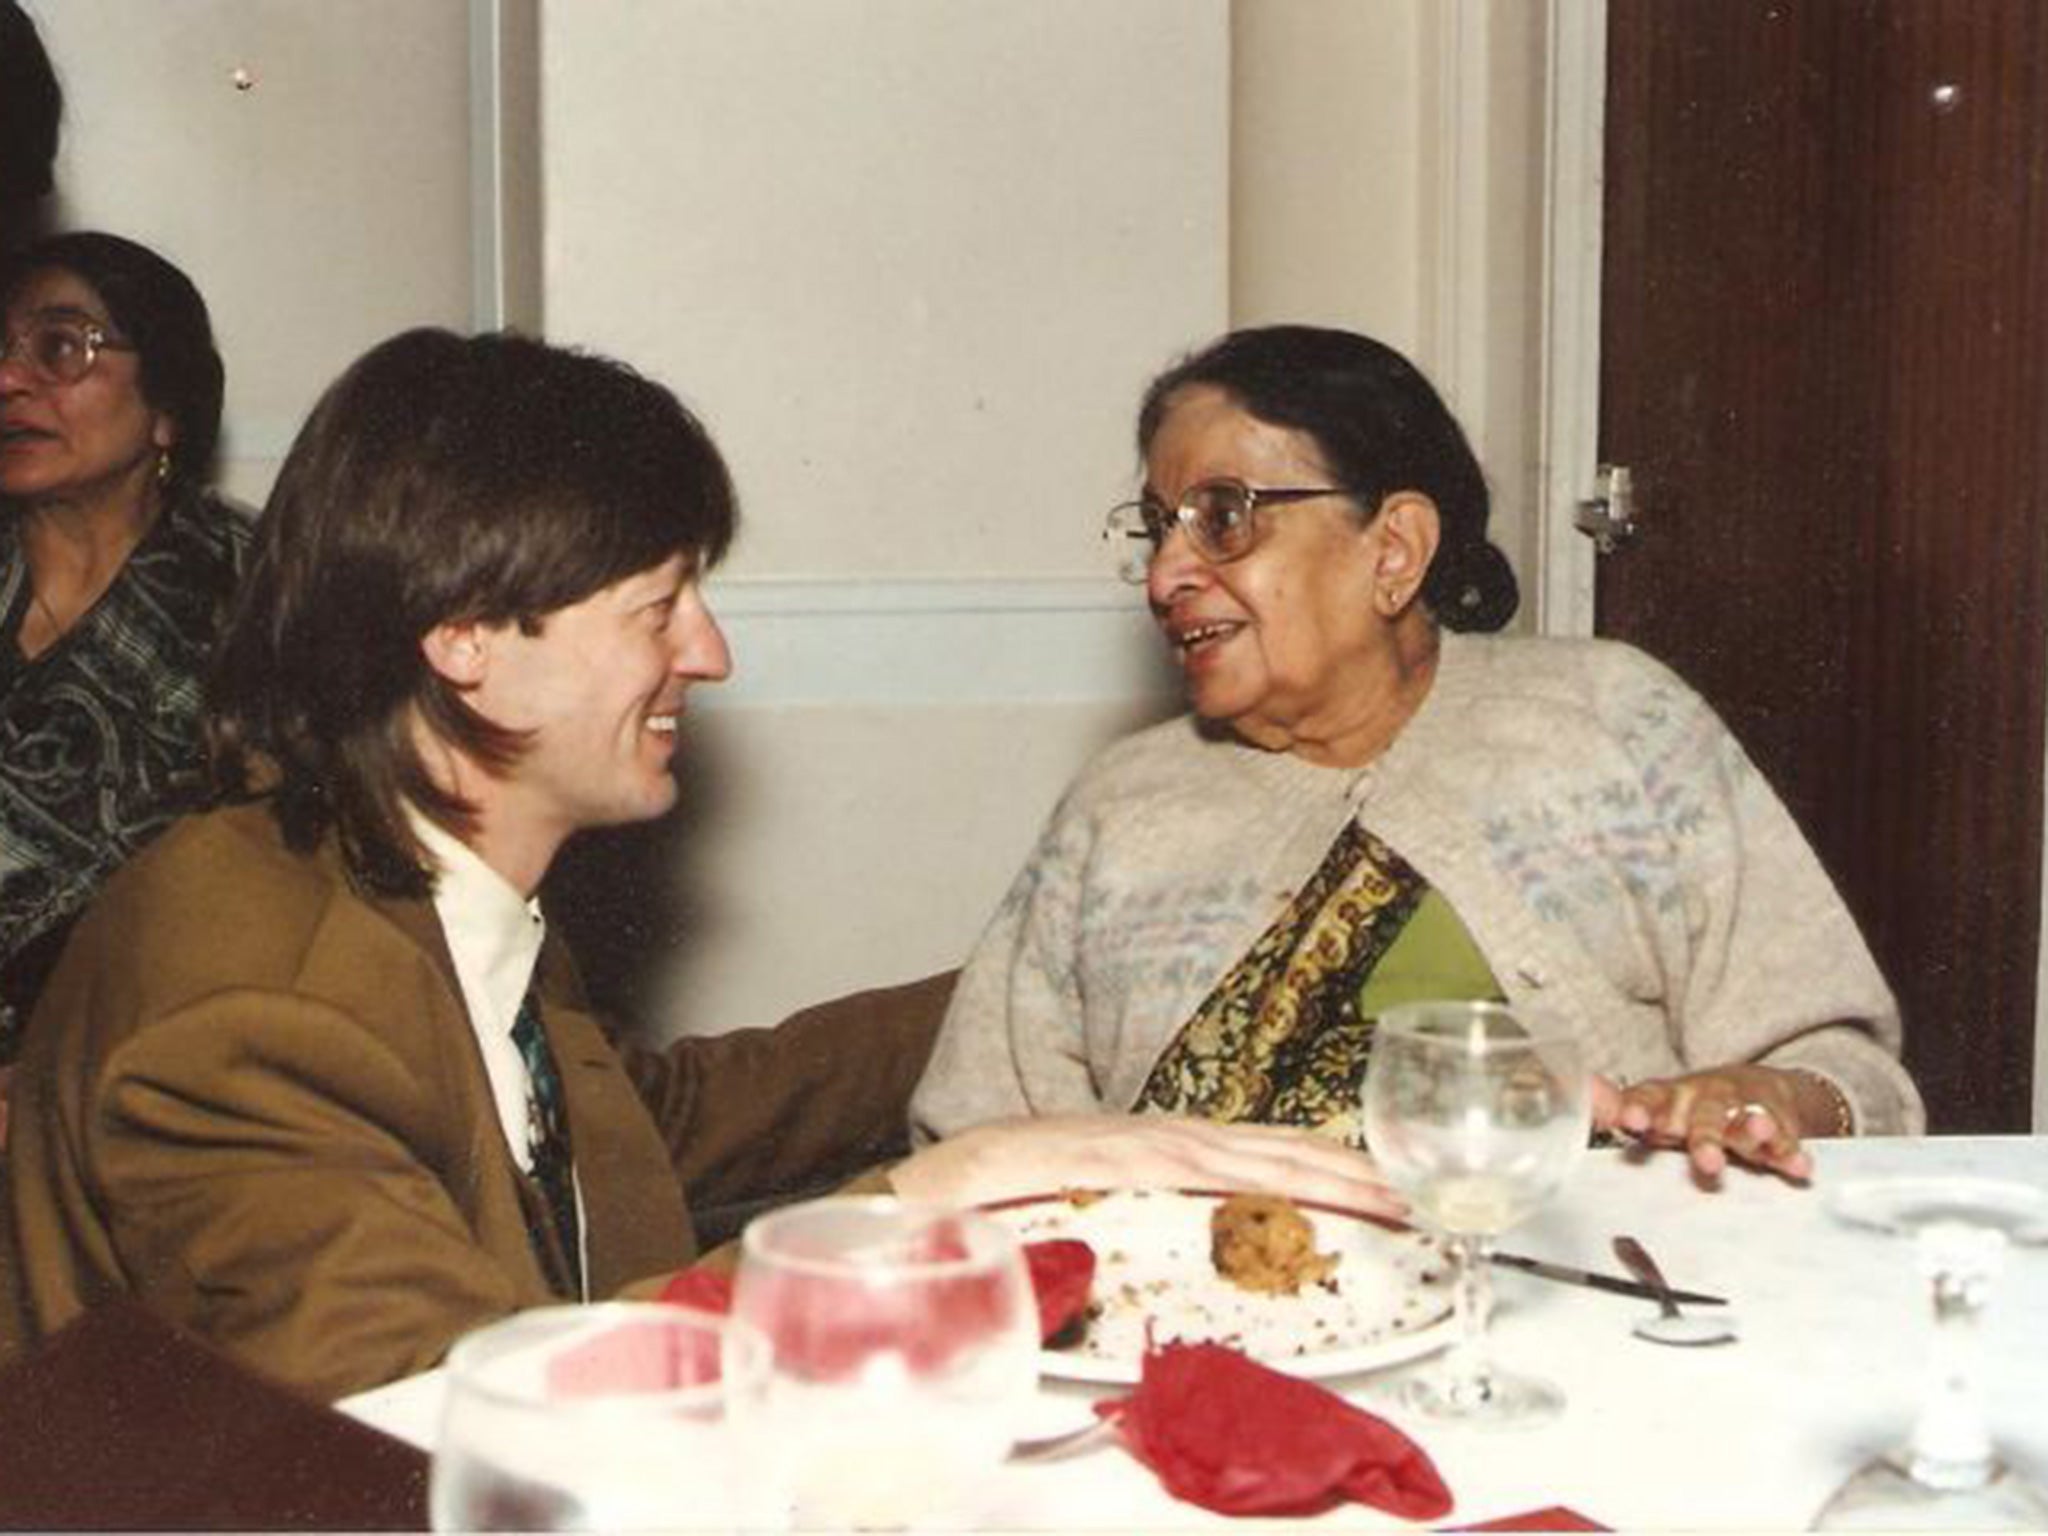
column 547, row 1137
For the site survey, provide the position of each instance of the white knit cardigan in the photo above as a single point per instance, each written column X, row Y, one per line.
column 1613, row 852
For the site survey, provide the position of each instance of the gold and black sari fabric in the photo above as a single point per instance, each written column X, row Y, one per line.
column 1284, row 1037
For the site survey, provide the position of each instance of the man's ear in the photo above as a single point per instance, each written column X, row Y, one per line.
column 1410, row 530
column 460, row 651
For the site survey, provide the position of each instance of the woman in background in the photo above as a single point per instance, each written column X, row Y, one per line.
column 115, row 565
column 1370, row 806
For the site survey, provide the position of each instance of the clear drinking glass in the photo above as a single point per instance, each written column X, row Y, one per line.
column 1948, row 1475
column 593, row 1418
column 1477, row 1114
column 903, row 1355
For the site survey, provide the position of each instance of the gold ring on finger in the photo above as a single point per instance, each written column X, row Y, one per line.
column 1737, row 1113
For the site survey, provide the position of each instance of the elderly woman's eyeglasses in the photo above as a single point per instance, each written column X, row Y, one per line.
column 1221, row 518
column 59, row 350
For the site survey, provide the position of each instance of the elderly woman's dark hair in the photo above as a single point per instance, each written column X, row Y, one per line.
column 31, row 107
column 155, row 307
column 1380, row 427
column 441, row 479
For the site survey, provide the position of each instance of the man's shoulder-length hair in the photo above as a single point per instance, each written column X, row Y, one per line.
column 441, row 479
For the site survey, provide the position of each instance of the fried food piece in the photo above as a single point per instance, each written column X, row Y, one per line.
column 1263, row 1243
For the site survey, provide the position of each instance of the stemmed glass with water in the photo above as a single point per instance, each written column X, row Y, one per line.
column 1476, row 1113
column 1948, row 1475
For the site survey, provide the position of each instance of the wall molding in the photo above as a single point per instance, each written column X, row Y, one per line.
column 949, row 642
column 486, row 164
column 1568, row 406
column 1457, row 311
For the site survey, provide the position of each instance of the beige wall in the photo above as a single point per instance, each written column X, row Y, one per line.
column 1330, row 166
column 914, row 258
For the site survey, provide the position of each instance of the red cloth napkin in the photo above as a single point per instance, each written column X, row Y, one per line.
column 1555, row 1517
column 1062, row 1274
column 1234, row 1436
column 707, row 1289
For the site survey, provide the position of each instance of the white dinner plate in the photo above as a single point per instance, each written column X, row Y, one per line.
column 2017, row 1209
column 1388, row 1300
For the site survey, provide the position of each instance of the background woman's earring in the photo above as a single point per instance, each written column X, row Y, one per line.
column 163, row 466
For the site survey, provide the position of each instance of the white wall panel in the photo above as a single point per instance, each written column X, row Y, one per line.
column 950, row 643
column 913, row 259
column 305, row 162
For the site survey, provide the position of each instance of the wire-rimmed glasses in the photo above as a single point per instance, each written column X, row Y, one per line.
column 1221, row 518
column 60, row 348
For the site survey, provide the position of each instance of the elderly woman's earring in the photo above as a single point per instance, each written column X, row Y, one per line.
column 163, row 466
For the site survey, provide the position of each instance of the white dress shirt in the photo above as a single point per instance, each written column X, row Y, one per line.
column 494, row 935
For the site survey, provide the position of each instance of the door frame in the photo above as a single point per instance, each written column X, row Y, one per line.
column 1575, row 111
column 1568, row 399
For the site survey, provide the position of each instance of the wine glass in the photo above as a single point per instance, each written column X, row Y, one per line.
column 1948, row 1475
column 582, row 1418
column 1476, row 1113
column 903, row 1353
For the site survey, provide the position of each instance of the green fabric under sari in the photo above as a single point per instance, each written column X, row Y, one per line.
column 1284, row 1037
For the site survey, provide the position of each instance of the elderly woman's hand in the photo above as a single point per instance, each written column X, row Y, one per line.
column 1755, row 1115
column 1005, row 1158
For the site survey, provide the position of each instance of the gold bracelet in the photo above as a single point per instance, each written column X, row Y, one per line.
column 1845, row 1116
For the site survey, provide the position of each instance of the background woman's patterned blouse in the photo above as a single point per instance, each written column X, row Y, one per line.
column 99, row 735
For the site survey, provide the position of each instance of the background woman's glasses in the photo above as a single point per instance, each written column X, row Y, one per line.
column 60, row 351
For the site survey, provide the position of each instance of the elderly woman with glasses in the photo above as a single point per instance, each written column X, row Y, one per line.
column 115, row 565
column 1372, row 804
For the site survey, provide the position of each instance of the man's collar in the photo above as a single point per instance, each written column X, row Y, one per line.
column 494, row 934
column 462, row 868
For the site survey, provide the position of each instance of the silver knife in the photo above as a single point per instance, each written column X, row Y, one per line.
column 1598, row 1281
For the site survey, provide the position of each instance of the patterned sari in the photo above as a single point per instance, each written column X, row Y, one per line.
column 1284, row 1037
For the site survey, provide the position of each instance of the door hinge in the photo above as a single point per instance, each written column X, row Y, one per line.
column 1609, row 516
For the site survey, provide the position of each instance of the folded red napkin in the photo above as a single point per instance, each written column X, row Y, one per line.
column 1234, row 1436
column 1062, row 1273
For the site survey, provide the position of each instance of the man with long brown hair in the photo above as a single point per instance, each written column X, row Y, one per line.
column 254, row 1095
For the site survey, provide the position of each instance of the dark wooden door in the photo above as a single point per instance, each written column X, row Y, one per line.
column 1825, row 358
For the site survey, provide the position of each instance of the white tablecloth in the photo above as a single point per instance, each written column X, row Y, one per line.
column 1748, row 1436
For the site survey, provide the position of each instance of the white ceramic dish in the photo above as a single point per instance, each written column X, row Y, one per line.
column 1388, row 1300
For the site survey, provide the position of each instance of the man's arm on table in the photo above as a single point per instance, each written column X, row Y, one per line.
column 760, row 1115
